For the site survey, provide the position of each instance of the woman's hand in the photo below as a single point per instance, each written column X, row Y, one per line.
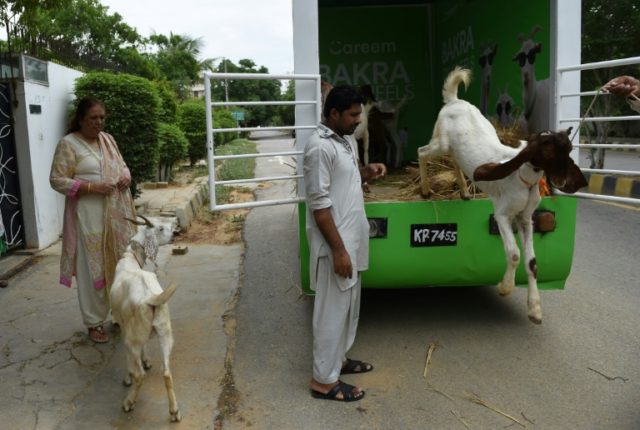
column 103, row 188
column 123, row 183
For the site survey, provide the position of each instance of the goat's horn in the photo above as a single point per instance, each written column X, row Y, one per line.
column 147, row 222
column 136, row 222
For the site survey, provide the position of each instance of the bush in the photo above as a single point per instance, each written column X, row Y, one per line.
column 168, row 100
column 191, row 119
column 222, row 118
column 133, row 110
column 174, row 147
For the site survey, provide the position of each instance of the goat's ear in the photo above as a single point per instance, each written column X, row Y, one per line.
column 575, row 179
column 496, row 171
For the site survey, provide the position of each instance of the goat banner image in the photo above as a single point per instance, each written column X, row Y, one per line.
column 404, row 52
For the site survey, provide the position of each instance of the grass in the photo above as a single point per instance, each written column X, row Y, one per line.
column 241, row 168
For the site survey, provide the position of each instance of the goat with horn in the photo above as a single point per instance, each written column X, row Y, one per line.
column 140, row 306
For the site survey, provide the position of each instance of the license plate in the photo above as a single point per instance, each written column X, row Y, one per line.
column 434, row 234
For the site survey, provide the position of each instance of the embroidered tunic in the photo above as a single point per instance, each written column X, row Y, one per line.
column 97, row 219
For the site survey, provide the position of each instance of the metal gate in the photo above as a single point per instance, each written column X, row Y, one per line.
column 569, row 72
column 211, row 157
column 10, row 207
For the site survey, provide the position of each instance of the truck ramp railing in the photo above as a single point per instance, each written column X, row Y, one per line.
column 629, row 177
column 212, row 157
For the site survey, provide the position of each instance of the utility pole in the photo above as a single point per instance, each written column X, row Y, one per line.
column 226, row 84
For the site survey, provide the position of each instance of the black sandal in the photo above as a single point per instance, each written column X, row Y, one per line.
column 347, row 393
column 355, row 366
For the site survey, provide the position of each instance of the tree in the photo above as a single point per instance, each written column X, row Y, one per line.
column 610, row 31
column 79, row 33
column 248, row 90
column 177, row 59
column 287, row 113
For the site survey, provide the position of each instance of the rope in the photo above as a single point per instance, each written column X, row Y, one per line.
column 586, row 113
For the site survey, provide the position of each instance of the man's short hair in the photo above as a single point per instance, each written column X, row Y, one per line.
column 341, row 98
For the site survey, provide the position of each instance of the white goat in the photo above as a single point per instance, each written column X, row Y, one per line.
column 535, row 94
column 463, row 132
column 139, row 305
column 362, row 130
column 361, row 133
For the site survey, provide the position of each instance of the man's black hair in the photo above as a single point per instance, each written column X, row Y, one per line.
column 341, row 98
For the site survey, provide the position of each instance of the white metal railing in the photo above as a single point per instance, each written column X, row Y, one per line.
column 564, row 96
column 212, row 158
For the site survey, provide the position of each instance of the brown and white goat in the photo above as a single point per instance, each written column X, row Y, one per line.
column 139, row 305
column 508, row 175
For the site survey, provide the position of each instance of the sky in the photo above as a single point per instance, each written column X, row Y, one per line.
column 260, row 30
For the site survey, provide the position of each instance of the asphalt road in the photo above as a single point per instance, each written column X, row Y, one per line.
column 578, row 370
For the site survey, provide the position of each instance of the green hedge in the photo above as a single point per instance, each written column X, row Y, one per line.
column 168, row 102
column 133, row 112
column 192, row 120
column 222, row 118
column 174, row 147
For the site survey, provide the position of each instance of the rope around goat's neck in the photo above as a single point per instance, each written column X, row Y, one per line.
column 586, row 113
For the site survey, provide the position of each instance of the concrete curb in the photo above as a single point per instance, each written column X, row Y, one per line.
column 183, row 202
column 613, row 185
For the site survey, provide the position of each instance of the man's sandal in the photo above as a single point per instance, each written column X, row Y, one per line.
column 355, row 366
column 348, row 394
column 98, row 335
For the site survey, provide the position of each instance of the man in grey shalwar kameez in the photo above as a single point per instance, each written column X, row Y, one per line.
column 338, row 234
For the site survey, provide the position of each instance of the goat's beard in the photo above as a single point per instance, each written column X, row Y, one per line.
column 151, row 248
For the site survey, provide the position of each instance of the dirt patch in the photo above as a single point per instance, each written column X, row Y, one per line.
column 218, row 228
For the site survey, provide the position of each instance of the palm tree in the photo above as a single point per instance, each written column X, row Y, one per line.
column 177, row 59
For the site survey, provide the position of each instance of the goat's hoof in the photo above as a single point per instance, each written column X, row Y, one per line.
column 535, row 319
column 176, row 416
column 127, row 406
column 146, row 365
column 504, row 290
column 126, row 382
column 535, row 311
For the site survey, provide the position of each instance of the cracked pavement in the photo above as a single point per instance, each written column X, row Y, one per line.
column 54, row 377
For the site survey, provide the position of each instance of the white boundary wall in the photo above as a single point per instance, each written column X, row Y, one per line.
column 36, row 138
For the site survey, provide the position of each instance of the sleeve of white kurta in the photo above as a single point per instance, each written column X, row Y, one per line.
column 318, row 162
column 63, row 169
